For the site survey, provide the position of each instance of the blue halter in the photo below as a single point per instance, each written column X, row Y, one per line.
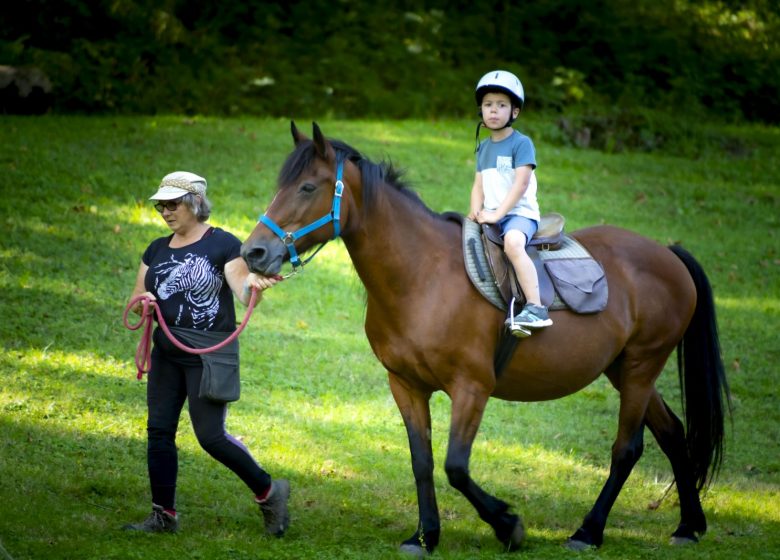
column 288, row 238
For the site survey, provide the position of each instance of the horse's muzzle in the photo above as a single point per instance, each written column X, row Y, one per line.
column 264, row 257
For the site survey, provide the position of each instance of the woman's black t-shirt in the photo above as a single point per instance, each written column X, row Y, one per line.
column 189, row 282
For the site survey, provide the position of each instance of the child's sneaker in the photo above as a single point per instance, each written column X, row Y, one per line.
column 159, row 521
column 274, row 508
column 531, row 317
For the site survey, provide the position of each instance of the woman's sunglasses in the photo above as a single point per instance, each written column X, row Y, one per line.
column 170, row 205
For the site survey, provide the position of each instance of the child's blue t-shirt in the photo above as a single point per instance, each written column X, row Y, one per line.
column 497, row 161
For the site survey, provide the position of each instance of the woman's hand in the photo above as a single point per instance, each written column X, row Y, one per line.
column 242, row 281
column 254, row 280
column 260, row 282
column 139, row 306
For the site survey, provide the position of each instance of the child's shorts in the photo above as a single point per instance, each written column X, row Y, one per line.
column 513, row 221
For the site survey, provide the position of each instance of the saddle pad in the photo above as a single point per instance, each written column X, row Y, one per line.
column 477, row 266
column 570, row 249
column 580, row 283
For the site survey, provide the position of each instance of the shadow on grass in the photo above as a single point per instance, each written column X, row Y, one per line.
column 65, row 490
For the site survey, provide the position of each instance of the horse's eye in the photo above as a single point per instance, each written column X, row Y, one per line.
column 308, row 188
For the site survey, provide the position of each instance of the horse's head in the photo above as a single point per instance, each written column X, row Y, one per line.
column 307, row 208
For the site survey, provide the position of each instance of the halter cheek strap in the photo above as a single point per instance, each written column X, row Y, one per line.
column 289, row 238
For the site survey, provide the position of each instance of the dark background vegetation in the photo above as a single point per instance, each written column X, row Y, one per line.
column 595, row 60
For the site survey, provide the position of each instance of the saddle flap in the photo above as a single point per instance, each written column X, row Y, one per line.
column 506, row 277
column 499, row 263
column 493, row 234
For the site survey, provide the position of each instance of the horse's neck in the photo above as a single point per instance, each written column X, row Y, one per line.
column 397, row 244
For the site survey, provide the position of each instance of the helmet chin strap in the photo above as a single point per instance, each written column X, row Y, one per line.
column 481, row 123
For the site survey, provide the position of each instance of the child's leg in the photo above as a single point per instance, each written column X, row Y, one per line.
column 514, row 246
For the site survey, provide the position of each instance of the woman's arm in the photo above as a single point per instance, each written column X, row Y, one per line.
column 140, row 288
column 241, row 281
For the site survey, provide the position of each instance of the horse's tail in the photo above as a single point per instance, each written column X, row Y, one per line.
column 705, row 391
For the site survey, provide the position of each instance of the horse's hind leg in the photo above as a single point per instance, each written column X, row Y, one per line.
column 468, row 406
column 635, row 394
column 668, row 431
column 415, row 411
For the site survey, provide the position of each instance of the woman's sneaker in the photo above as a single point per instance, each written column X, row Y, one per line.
column 531, row 317
column 274, row 508
column 159, row 521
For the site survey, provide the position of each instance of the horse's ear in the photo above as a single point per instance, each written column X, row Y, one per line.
column 320, row 144
column 296, row 134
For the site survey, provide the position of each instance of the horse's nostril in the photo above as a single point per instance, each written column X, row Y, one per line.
column 263, row 257
column 255, row 257
column 258, row 253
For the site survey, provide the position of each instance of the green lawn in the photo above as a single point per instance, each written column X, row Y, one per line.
column 315, row 405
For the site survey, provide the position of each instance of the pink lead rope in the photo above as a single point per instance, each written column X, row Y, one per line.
column 143, row 354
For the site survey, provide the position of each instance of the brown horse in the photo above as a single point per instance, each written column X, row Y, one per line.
column 409, row 258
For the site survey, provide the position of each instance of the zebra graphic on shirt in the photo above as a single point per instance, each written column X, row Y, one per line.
column 198, row 280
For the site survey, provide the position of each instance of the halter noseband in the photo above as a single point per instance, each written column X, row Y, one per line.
column 288, row 237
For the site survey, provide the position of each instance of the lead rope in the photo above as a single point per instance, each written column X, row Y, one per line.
column 143, row 354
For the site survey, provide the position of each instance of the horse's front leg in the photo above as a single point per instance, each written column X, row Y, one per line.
column 415, row 410
column 468, row 405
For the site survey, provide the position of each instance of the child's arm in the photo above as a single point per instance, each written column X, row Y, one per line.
column 477, row 197
column 522, row 177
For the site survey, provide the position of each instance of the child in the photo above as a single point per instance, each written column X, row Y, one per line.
column 504, row 190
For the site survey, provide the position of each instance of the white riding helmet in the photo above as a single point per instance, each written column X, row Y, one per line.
column 503, row 81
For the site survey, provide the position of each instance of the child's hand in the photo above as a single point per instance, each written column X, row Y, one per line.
column 487, row 217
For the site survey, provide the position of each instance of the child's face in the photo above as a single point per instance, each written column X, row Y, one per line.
column 496, row 110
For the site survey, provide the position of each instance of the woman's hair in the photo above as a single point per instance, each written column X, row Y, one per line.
column 199, row 204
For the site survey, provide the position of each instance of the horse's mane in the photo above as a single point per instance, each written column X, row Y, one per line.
column 375, row 176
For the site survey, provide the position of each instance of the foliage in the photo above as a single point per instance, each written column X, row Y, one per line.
column 621, row 128
column 389, row 59
column 315, row 406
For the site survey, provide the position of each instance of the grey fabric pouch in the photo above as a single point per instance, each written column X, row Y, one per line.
column 580, row 283
column 220, row 380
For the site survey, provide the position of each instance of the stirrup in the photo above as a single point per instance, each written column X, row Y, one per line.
column 515, row 328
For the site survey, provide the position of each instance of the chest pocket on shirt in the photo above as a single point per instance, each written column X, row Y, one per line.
column 504, row 167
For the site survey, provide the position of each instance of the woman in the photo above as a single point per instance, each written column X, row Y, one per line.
column 192, row 275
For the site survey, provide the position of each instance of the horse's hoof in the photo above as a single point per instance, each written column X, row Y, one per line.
column 578, row 546
column 683, row 541
column 517, row 536
column 413, row 550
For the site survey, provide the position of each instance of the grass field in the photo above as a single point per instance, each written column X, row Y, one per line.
column 315, row 405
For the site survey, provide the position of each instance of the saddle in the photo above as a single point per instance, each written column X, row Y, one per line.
column 569, row 277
